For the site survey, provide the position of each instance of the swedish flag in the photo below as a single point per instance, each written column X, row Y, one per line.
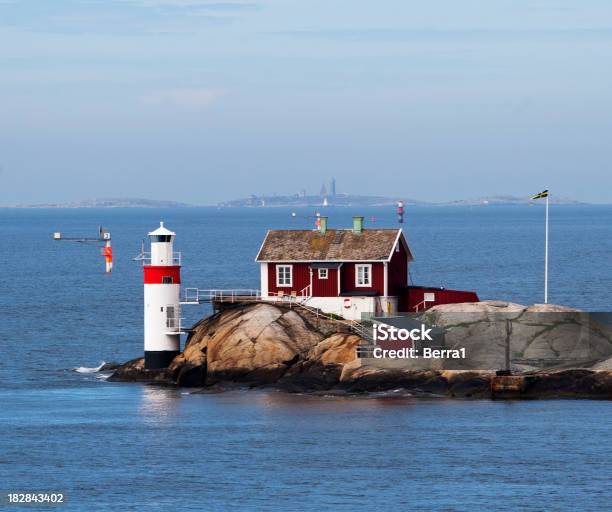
column 542, row 194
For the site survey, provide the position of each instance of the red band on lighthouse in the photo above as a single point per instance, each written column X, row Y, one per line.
column 162, row 275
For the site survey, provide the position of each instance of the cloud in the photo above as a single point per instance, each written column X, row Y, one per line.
column 184, row 97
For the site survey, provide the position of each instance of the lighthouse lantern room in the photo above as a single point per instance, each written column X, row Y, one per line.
column 162, row 283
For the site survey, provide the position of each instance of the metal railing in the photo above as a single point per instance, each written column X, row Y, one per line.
column 355, row 326
column 422, row 304
column 306, row 292
column 174, row 324
column 145, row 257
column 365, row 351
column 361, row 330
column 198, row 296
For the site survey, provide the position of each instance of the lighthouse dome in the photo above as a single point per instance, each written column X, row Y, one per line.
column 162, row 231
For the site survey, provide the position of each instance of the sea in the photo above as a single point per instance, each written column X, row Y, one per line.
column 114, row 446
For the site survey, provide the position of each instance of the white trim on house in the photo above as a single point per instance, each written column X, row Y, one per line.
column 323, row 273
column 369, row 275
column 395, row 247
column 386, row 279
column 261, row 246
column 310, row 272
column 263, row 273
column 284, row 285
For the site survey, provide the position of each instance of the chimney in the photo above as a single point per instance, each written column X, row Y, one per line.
column 323, row 225
column 357, row 225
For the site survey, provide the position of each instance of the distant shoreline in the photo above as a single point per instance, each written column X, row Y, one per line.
column 340, row 201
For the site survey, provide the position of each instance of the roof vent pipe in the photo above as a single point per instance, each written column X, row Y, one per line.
column 323, row 225
column 357, row 225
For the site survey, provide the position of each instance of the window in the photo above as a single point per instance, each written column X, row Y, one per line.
column 322, row 273
column 166, row 279
column 284, row 275
column 171, row 322
column 363, row 275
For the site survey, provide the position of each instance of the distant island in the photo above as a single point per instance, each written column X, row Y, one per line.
column 328, row 196
column 296, row 201
column 317, row 200
column 505, row 200
column 108, row 203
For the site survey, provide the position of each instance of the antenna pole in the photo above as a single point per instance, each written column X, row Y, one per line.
column 546, row 256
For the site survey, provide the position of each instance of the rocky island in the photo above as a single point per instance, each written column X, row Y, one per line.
column 296, row 350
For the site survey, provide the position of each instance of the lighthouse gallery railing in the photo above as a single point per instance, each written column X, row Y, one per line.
column 145, row 257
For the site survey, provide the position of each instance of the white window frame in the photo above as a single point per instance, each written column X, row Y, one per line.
column 284, row 285
column 369, row 273
column 323, row 273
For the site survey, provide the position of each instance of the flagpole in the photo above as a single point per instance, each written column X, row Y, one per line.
column 546, row 257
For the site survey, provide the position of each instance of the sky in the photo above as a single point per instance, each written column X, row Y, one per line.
column 205, row 101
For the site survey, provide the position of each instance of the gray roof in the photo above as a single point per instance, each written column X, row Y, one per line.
column 325, row 264
column 335, row 245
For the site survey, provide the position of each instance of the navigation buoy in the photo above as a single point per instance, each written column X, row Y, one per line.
column 400, row 212
column 162, row 285
column 107, row 252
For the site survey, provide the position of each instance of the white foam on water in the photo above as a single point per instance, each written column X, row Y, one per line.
column 84, row 369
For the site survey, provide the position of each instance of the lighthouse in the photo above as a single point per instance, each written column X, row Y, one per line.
column 162, row 283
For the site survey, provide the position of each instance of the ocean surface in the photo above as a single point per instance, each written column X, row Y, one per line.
column 136, row 447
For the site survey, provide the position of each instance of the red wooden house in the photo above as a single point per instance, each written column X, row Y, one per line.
column 346, row 271
column 342, row 271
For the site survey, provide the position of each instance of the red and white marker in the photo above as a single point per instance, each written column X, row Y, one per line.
column 107, row 252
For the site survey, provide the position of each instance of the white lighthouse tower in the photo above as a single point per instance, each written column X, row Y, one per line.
column 162, row 284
